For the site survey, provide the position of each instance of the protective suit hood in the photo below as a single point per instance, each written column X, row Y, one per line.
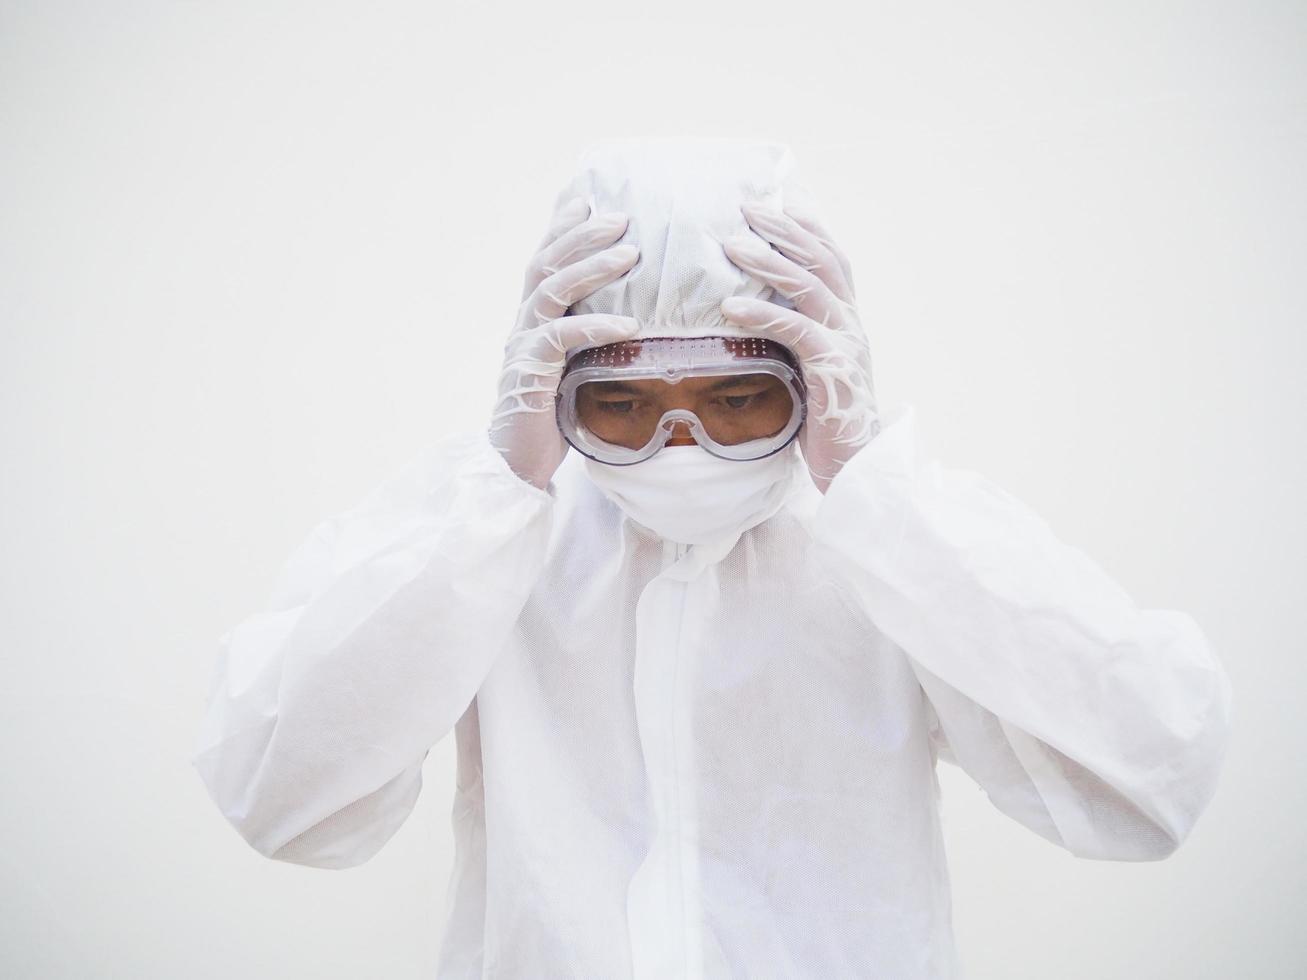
column 683, row 200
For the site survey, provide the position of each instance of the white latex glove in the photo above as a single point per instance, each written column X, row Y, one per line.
column 572, row 261
column 808, row 268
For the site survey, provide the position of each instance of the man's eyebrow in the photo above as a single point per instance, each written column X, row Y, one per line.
column 736, row 381
column 612, row 388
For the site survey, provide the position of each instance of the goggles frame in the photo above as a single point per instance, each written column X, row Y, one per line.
column 671, row 359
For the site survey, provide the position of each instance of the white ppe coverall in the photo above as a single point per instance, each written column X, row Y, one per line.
column 703, row 760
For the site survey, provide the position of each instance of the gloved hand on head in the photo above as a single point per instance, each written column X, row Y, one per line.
column 575, row 257
column 823, row 330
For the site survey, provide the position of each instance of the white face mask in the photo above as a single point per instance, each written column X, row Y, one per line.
column 687, row 495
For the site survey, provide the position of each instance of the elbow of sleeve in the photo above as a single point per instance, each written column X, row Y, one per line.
column 348, row 838
column 356, row 833
column 1155, row 829
column 1093, row 823
column 1194, row 781
column 1140, row 815
column 328, row 854
column 1105, row 825
column 1140, row 824
column 1158, row 807
column 284, row 824
column 1126, row 836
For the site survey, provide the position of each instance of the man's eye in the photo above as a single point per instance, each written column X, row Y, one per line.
column 742, row 401
column 620, row 408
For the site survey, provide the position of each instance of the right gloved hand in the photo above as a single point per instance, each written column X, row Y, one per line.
column 572, row 261
column 823, row 329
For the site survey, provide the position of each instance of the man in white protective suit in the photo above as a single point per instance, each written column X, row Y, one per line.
column 702, row 621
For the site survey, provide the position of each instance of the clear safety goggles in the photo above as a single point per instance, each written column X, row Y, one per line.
column 737, row 397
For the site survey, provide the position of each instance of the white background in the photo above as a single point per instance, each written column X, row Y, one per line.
column 254, row 256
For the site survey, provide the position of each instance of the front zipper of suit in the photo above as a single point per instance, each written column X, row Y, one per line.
column 662, row 906
column 687, row 884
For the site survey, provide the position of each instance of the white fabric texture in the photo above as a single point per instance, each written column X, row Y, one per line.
column 689, row 761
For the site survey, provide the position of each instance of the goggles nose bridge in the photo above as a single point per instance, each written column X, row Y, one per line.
column 692, row 425
column 674, row 415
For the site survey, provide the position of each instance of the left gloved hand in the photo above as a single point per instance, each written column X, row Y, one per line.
column 823, row 330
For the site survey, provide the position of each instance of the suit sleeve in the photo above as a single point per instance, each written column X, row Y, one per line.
column 1097, row 724
column 382, row 627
